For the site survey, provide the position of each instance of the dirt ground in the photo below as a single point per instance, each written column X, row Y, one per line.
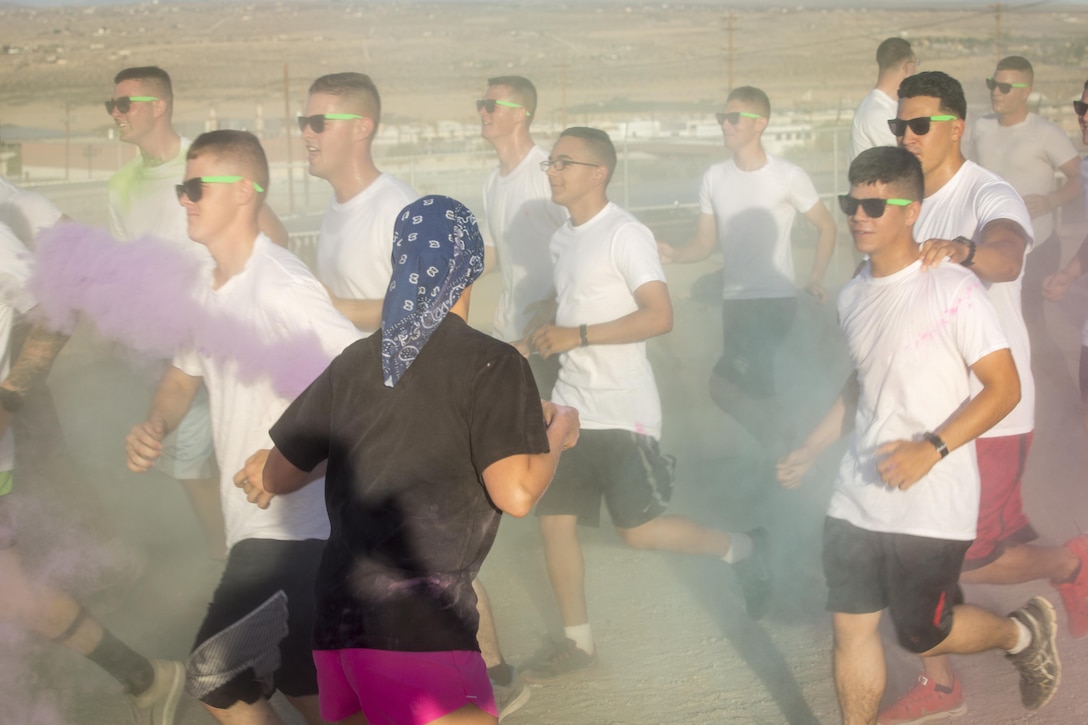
column 675, row 644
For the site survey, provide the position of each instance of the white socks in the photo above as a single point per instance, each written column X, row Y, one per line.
column 582, row 636
column 739, row 550
column 1024, row 638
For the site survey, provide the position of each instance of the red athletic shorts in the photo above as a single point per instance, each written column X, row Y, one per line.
column 1001, row 519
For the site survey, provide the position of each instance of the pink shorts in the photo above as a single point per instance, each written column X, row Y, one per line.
column 406, row 688
column 1001, row 519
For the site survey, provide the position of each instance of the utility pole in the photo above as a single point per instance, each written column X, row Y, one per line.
column 563, row 92
column 67, row 140
column 997, row 32
column 287, row 138
column 729, row 51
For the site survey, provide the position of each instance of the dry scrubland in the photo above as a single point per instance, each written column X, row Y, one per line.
column 428, row 58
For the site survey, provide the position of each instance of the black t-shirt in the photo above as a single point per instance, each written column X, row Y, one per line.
column 411, row 519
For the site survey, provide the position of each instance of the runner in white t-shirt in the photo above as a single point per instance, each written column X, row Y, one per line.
column 154, row 685
column 748, row 205
column 1026, row 150
column 338, row 127
column 1056, row 286
column 895, row 61
column 267, row 330
column 612, row 297
column 142, row 201
column 903, row 511
column 521, row 216
column 973, row 218
column 520, row 220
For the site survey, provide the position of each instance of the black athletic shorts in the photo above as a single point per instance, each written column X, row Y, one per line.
column 625, row 468
column 915, row 578
column 752, row 332
column 266, row 596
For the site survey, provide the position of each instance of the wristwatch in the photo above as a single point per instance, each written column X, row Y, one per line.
column 937, row 442
column 10, row 400
column 970, row 258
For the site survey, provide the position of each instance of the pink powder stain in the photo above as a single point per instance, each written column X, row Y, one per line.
column 143, row 295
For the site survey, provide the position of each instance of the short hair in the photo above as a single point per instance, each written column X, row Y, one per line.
column 939, row 85
column 153, row 76
column 240, row 148
column 1017, row 63
column 752, row 95
column 890, row 165
column 600, row 145
column 893, row 52
column 524, row 92
column 357, row 87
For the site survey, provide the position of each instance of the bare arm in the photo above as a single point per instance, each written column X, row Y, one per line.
column 172, row 399
column 364, row 314
column 903, row 463
column 273, row 228
column 999, row 252
column 838, row 420
column 1039, row 204
column 652, row 318
column 825, row 247
column 36, row 357
column 517, row 482
column 1056, row 285
column 699, row 248
column 267, row 474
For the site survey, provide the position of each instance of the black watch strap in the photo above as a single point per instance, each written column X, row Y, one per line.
column 937, row 442
column 970, row 258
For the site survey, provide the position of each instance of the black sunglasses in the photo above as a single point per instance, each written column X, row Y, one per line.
column 920, row 126
column 733, row 117
column 194, row 187
column 488, row 104
column 1080, row 108
column 874, row 208
column 1003, row 87
column 124, row 103
column 317, row 123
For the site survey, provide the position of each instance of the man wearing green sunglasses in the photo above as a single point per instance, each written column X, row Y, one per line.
column 142, row 202
column 972, row 217
column 339, row 125
column 1026, row 150
column 748, row 204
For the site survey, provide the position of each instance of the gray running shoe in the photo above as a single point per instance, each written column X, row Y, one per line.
column 510, row 697
column 1039, row 666
column 158, row 705
column 557, row 659
column 754, row 574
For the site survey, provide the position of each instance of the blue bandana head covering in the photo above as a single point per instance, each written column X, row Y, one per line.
column 437, row 252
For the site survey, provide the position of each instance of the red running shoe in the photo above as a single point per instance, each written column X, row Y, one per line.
column 925, row 703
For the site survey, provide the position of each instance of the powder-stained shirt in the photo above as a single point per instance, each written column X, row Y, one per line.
column 411, row 519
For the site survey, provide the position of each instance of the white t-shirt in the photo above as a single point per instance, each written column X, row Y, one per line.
column 754, row 212
column 143, row 200
column 911, row 337
column 598, row 267
column 971, row 199
column 354, row 251
column 14, row 299
column 521, row 218
column 1026, row 155
column 870, row 125
column 276, row 300
column 26, row 212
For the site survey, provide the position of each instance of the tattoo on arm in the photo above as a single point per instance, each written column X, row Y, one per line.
column 35, row 359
